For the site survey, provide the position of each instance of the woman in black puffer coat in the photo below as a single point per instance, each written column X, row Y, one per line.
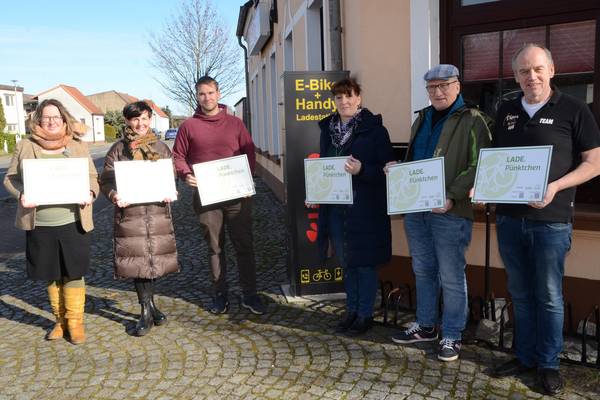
column 360, row 233
column 144, row 238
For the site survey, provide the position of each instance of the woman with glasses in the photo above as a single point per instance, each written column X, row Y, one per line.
column 144, row 238
column 57, row 237
column 359, row 234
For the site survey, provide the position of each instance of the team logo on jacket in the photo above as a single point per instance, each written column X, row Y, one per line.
column 547, row 121
column 510, row 121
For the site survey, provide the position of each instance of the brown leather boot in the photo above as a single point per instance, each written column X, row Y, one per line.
column 57, row 303
column 74, row 305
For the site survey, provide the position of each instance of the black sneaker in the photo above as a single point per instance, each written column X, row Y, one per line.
column 551, row 381
column 254, row 304
column 359, row 326
column 415, row 334
column 219, row 305
column 512, row 367
column 449, row 350
column 345, row 323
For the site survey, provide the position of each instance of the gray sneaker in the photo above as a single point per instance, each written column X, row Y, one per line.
column 415, row 334
column 449, row 350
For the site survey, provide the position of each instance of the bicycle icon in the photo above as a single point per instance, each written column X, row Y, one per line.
column 321, row 274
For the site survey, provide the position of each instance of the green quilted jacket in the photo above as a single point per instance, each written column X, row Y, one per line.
column 465, row 132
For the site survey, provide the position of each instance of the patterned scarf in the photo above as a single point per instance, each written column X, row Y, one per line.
column 340, row 132
column 50, row 141
column 141, row 146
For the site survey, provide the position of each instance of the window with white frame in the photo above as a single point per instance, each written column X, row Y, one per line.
column 274, row 114
column 254, row 114
column 9, row 99
column 11, row 127
column 314, row 37
column 264, row 107
column 288, row 52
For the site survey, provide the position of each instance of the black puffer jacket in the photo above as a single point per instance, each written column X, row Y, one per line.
column 367, row 231
column 144, row 238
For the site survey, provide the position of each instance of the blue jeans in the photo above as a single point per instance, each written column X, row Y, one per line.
column 437, row 244
column 534, row 254
column 360, row 283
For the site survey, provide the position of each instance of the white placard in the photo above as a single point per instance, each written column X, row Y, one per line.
column 143, row 181
column 416, row 186
column 48, row 181
column 512, row 174
column 225, row 179
column 326, row 181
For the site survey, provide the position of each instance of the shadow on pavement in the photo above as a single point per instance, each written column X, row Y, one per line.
column 112, row 299
column 15, row 313
column 109, row 309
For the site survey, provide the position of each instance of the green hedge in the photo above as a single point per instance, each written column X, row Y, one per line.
column 110, row 133
column 10, row 139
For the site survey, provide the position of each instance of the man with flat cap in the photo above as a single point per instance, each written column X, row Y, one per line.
column 438, row 239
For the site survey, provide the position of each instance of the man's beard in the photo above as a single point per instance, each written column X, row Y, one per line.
column 208, row 110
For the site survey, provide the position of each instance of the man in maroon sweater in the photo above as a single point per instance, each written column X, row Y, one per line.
column 212, row 134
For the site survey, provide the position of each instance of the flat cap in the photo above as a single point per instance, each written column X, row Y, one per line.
column 442, row 71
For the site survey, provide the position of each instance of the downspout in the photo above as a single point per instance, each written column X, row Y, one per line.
column 247, row 105
column 335, row 34
column 239, row 33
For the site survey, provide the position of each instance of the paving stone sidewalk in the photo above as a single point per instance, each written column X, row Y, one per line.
column 290, row 353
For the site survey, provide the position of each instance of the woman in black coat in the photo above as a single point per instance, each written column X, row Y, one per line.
column 360, row 233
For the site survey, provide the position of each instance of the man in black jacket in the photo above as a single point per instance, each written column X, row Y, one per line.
column 534, row 239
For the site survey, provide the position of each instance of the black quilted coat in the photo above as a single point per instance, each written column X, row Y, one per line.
column 144, row 238
column 367, row 233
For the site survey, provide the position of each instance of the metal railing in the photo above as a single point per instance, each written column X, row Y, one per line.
column 400, row 298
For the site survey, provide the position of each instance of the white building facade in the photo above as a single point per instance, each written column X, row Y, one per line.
column 81, row 108
column 160, row 120
column 12, row 103
column 388, row 45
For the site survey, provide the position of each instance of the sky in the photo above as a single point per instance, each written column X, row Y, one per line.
column 95, row 46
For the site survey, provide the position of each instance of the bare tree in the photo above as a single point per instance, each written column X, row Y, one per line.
column 194, row 43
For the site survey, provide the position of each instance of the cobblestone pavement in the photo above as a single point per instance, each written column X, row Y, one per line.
column 290, row 353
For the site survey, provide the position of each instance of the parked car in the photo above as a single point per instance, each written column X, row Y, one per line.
column 170, row 134
column 156, row 133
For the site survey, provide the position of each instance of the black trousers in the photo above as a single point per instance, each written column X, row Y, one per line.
column 237, row 215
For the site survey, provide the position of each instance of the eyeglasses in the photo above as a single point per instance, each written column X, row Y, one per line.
column 442, row 86
column 55, row 118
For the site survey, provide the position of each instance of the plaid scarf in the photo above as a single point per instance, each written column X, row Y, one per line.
column 140, row 146
column 340, row 132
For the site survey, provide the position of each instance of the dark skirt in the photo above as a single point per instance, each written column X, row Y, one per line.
column 56, row 252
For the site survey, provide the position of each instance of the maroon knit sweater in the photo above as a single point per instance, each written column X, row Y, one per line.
column 211, row 137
